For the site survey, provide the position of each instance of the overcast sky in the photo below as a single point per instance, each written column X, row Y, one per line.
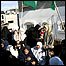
column 6, row 5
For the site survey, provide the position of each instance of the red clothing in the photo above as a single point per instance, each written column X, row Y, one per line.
column 42, row 33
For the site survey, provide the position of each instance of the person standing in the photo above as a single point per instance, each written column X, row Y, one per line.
column 48, row 39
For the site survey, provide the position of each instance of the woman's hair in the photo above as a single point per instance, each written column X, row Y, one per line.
column 37, row 26
column 27, row 47
column 48, row 28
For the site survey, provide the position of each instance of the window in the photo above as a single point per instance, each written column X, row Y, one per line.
column 2, row 22
column 10, row 21
column 2, row 17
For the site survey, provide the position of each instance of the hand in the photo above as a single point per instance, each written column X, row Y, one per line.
column 15, row 46
column 51, row 53
column 33, row 62
column 18, row 42
column 44, row 46
column 51, row 47
column 41, row 37
column 18, row 45
column 28, row 58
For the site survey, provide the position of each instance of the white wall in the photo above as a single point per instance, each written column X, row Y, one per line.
column 60, row 33
column 44, row 15
column 37, row 16
column 11, row 17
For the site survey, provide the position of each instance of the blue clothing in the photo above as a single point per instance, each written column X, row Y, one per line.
column 23, row 57
column 39, row 54
column 6, row 43
column 55, row 61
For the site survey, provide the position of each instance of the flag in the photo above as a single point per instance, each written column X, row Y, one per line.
column 53, row 5
column 32, row 4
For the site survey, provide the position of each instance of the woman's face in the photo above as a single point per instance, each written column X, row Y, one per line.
column 45, row 29
column 15, row 32
column 26, row 51
column 2, row 45
column 38, row 46
column 42, row 30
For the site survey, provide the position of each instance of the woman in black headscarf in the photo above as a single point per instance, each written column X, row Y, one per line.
column 27, row 57
column 32, row 35
column 4, row 33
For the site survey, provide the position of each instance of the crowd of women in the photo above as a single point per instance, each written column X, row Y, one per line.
column 34, row 46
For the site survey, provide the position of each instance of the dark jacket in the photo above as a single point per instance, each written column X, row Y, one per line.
column 4, row 33
column 23, row 57
column 32, row 35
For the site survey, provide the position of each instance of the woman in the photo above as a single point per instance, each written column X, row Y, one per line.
column 4, row 33
column 27, row 57
column 39, row 53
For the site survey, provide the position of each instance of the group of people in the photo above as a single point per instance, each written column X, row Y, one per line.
column 34, row 46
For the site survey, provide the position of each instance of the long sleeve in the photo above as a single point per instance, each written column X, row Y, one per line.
column 22, row 57
column 51, row 40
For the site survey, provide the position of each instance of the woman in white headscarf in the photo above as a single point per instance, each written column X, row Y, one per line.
column 39, row 53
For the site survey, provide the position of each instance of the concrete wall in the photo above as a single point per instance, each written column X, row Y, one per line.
column 11, row 17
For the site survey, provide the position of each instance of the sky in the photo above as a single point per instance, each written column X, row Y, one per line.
column 6, row 5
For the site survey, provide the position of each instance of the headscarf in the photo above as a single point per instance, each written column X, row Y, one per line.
column 27, row 47
column 55, row 61
column 40, row 44
column 6, row 43
column 37, row 27
column 22, row 30
column 22, row 34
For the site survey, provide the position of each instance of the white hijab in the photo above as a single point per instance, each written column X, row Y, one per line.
column 36, row 51
column 22, row 35
column 40, row 44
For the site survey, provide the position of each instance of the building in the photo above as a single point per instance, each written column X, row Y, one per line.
column 3, row 20
column 10, row 18
column 2, row 17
